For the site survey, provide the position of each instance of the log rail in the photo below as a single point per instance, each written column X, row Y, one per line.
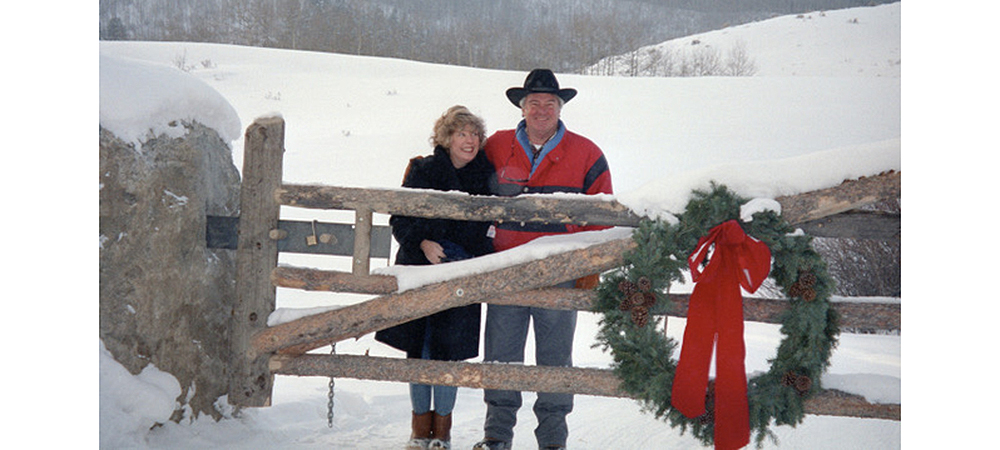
column 282, row 348
column 578, row 380
column 873, row 317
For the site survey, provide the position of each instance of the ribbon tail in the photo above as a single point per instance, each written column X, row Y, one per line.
column 691, row 376
column 732, row 420
column 732, row 411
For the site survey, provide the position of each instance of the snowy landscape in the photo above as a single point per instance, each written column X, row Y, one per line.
column 824, row 106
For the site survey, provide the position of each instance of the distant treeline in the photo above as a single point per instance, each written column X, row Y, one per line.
column 564, row 35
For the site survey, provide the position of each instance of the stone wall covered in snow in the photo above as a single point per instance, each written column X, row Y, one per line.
column 166, row 299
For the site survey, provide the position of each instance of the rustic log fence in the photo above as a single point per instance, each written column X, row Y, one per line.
column 264, row 351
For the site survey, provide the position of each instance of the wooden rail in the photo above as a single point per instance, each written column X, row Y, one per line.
column 301, row 335
column 578, row 209
column 812, row 208
column 870, row 317
column 587, row 381
column 281, row 349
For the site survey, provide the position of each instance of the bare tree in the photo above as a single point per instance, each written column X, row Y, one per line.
column 739, row 63
column 702, row 61
column 660, row 62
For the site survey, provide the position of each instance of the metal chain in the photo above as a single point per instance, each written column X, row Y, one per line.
column 329, row 396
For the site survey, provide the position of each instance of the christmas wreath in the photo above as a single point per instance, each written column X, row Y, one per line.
column 643, row 356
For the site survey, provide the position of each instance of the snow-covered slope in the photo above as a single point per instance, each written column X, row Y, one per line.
column 856, row 42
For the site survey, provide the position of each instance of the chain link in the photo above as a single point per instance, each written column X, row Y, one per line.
column 329, row 396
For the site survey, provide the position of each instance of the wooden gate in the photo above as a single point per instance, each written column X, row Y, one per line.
column 261, row 351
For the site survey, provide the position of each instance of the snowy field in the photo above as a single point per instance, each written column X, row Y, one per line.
column 805, row 122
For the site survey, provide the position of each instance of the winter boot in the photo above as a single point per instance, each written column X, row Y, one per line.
column 420, row 436
column 491, row 444
column 441, row 431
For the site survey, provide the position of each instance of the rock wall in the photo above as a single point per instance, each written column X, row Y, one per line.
column 165, row 298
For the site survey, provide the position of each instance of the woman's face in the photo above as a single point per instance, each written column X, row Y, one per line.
column 464, row 145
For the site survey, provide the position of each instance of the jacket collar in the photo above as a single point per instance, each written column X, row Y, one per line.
column 522, row 138
column 443, row 160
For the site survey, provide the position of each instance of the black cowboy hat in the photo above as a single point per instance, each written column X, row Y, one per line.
column 539, row 81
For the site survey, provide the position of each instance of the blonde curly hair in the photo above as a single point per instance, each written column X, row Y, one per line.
column 456, row 118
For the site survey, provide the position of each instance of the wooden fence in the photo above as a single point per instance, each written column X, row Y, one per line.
column 263, row 351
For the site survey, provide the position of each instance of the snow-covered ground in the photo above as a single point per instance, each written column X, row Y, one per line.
column 355, row 121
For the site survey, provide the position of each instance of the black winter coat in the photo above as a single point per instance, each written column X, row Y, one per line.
column 454, row 333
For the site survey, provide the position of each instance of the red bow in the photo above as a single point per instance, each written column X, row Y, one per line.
column 715, row 314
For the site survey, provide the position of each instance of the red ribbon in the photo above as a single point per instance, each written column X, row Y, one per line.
column 715, row 316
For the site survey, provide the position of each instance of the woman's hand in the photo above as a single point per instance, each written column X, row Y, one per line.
column 432, row 250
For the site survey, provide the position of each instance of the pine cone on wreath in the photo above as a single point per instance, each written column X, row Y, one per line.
column 638, row 299
column 626, row 287
column 802, row 384
column 631, row 301
column 803, row 287
column 644, row 284
column 807, row 279
column 648, row 299
column 629, row 289
column 640, row 316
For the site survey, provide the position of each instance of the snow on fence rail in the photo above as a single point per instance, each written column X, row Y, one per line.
column 281, row 349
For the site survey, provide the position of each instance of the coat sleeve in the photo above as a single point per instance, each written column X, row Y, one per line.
column 410, row 231
column 596, row 180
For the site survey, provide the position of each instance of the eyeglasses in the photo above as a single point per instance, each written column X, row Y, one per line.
column 503, row 174
column 503, row 171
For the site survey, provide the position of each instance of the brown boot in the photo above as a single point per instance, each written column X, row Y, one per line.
column 420, row 436
column 441, row 430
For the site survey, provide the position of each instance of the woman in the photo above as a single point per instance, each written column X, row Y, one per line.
column 452, row 335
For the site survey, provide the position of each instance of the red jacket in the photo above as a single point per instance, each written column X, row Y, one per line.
column 575, row 165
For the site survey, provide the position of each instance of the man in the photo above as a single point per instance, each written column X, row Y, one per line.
column 539, row 156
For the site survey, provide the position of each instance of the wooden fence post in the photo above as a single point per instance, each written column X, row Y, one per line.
column 362, row 241
column 250, row 381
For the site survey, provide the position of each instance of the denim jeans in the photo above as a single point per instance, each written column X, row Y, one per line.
column 506, row 333
column 421, row 394
column 444, row 398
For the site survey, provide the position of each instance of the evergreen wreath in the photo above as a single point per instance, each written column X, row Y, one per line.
column 643, row 356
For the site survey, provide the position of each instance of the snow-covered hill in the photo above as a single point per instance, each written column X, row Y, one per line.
column 856, row 42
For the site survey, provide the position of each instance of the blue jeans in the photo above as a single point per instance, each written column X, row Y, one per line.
column 505, row 336
column 421, row 394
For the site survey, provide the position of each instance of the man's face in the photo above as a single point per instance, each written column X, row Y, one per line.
column 541, row 114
